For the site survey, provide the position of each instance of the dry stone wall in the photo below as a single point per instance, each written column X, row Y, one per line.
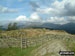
column 24, row 42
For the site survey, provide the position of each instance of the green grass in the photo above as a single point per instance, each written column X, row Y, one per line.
column 16, row 51
column 70, row 45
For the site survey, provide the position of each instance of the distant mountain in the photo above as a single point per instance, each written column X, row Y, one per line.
column 51, row 25
column 69, row 27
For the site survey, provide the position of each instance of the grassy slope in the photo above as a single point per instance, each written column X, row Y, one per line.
column 30, row 33
column 16, row 51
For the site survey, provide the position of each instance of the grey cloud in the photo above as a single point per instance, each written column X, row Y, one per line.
column 70, row 9
column 63, row 8
column 34, row 5
column 71, row 19
column 38, row 4
column 7, row 10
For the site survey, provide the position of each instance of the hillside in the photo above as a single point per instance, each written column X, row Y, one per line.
column 68, row 27
column 36, row 42
column 30, row 32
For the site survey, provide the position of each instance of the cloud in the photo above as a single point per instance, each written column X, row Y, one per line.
column 50, row 11
column 56, row 20
column 35, row 17
column 60, row 8
column 60, row 20
column 70, row 8
column 21, row 18
column 34, row 5
column 7, row 10
column 71, row 19
column 60, row 11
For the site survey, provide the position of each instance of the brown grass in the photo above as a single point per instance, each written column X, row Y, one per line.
column 30, row 32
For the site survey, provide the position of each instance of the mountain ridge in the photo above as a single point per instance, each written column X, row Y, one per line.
column 69, row 27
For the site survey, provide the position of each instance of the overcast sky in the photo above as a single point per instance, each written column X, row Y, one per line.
column 53, row 11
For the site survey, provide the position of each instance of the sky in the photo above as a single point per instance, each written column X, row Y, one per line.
column 53, row 11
